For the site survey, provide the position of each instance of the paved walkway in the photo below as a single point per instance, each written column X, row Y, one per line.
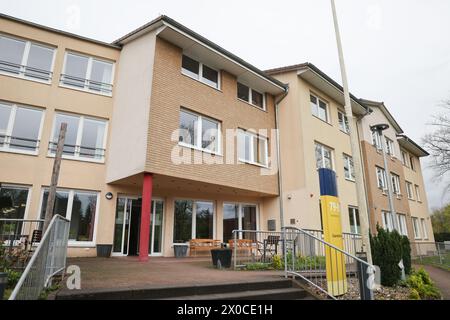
column 440, row 277
column 128, row 272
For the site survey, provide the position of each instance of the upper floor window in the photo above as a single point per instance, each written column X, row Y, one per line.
column 349, row 169
column 87, row 73
column 412, row 163
column 353, row 214
column 405, row 159
column 424, row 228
column 324, row 158
column 388, row 220
column 395, row 184
column 343, row 122
column 381, row 178
column 85, row 137
column 376, row 140
column 402, row 224
column 251, row 96
column 20, row 128
column 200, row 71
column 417, row 193
column 390, row 147
column 319, row 108
column 199, row 131
column 409, row 190
column 416, row 227
column 252, row 148
column 26, row 59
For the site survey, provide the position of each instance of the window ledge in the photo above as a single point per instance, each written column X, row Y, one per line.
column 254, row 163
column 16, row 151
column 73, row 158
column 252, row 105
column 80, row 244
column 200, row 81
column 322, row 120
column 350, row 180
column 109, row 95
column 343, row 131
column 23, row 77
column 189, row 146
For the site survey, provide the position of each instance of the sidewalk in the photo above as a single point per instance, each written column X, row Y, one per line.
column 440, row 277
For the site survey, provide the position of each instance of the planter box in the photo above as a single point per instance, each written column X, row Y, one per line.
column 223, row 255
column 104, row 250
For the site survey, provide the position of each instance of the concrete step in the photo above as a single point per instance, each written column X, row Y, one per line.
column 268, row 294
column 161, row 292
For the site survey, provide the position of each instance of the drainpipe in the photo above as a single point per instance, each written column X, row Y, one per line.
column 280, row 178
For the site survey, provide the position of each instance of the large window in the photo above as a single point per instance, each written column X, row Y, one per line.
column 376, row 140
column 417, row 193
column 349, row 169
column 199, row 131
column 388, row 220
column 80, row 207
column 381, row 178
column 193, row 220
column 405, row 159
column 324, row 156
column 85, row 137
column 319, row 108
column 13, row 201
column 353, row 214
column 252, row 148
column 26, row 59
column 416, row 227
column 424, row 228
column 390, row 147
column 395, row 184
column 20, row 128
column 200, row 71
column 87, row 73
column 251, row 96
column 343, row 122
column 409, row 190
column 239, row 217
column 402, row 224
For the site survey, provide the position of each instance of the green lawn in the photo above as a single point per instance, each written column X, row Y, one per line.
column 435, row 261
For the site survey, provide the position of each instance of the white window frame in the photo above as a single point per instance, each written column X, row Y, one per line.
column 200, row 77
column 376, row 140
column 344, row 126
column 250, row 97
column 348, row 160
column 240, row 206
column 81, row 118
column 424, row 228
column 380, row 171
column 9, row 129
column 198, row 141
column 243, row 132
column 416, row 227
column 322, row 150
column 88, row 74
column 194, row 216
column 71, row 192
column 355, row 210
column 409, row 190
column 387, row 220
column 390, row 150
column 401, row 219
column 327, row 109
column 395, row 180
column 405, row 159
column 23, row 63
column 21, row 187
column 417, row 189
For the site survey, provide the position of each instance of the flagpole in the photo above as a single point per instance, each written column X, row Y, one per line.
column 354, row 141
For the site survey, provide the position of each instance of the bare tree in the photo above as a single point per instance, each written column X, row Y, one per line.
column 437, row 144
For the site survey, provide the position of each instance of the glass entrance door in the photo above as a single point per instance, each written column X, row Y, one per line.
column 156, row 227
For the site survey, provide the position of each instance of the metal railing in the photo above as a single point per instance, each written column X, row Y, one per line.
column 48, row 259
column 437, row 253
column 86, row 84
column 26, row 71
column 78, row 151
column 11, row 142
column 328, row 270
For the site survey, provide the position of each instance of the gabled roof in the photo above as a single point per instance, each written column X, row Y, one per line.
column 196, row 44
column 313, row 75
column 385, row 111
column 411, row 146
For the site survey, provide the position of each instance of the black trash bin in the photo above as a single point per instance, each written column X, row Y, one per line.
column 180, row 250
column 104, row 250
column 223, row 255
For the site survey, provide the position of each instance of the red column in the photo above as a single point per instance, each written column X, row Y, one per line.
column 144, row 237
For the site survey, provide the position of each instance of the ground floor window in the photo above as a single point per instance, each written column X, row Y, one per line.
column 13, row 201
column 80, row 207
column 193, row 220
column 424, row 229
column 416, row 228
column 402, row 224
column 353, row 214
column 388, row 222
column 238, row 217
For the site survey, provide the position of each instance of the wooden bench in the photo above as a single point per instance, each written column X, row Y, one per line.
column 243, row 245
column 202, row 245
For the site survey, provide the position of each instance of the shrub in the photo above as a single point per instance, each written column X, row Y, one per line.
column 406, row 254
column 421, row 286
column 277, row 262
column 13, row 278
column 387, row 253
column 257, row 266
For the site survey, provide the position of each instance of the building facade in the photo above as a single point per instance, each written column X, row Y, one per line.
column 171, row 138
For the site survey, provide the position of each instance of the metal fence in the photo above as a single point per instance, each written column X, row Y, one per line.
column 437, row 253
column 47, row 260
column 304, row 254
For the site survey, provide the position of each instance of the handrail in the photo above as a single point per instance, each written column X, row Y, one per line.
column 48, row 233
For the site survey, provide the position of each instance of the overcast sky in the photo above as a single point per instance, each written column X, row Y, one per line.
column 396, row 51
